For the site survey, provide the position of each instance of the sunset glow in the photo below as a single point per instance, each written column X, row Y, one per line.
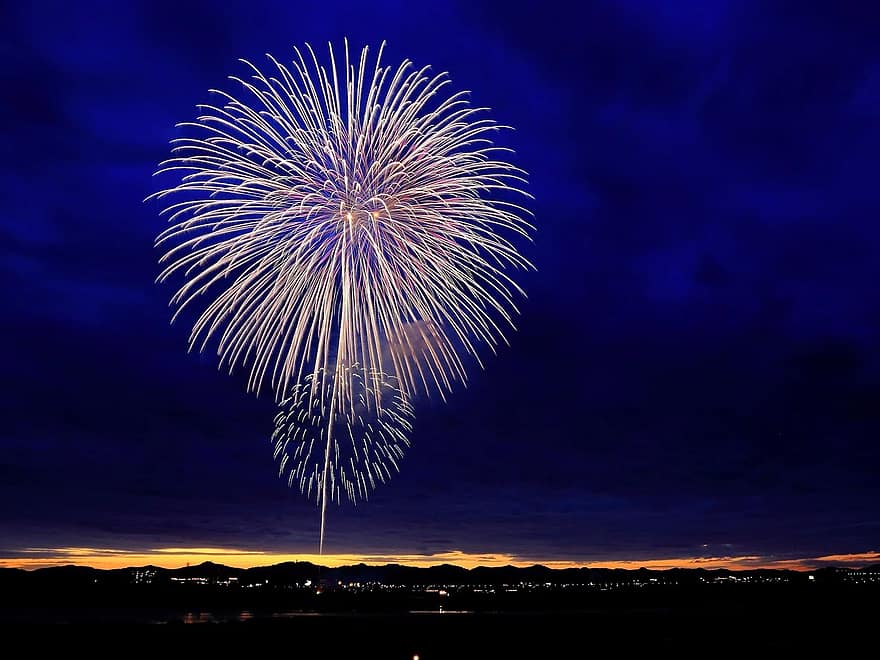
column 111, row 558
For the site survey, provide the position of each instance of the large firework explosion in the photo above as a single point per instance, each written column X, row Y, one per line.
column 354, row 222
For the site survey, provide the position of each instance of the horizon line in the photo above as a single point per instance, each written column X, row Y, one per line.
column 173, row 558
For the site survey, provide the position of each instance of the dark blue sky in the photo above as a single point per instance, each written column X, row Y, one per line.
column 696, row 370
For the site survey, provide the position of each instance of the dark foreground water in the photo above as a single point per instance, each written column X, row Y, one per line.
column 707, row 632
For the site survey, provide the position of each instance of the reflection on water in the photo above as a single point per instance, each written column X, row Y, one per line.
column 181, row 616
column 248, row 615
column 240, row 616
column 211, row 617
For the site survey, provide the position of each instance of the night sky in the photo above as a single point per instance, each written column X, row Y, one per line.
column 696, row 369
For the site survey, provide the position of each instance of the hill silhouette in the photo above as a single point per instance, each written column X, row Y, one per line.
column 298, row 573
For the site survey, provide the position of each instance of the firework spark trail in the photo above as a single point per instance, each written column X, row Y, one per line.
column 326, row 474
column 329, row 215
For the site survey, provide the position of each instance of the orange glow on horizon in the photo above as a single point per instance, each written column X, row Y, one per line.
column 110, row 558
column 864, row 557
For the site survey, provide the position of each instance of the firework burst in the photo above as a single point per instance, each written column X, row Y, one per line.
column 368, row 441
column 353, row 220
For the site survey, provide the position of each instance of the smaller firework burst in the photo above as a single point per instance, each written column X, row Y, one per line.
column 358, row 448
